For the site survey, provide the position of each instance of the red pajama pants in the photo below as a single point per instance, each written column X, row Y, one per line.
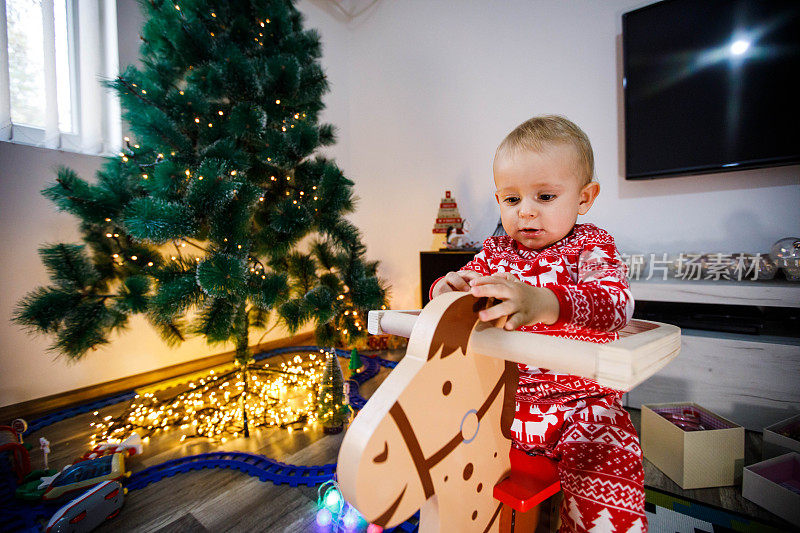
column 584, row 427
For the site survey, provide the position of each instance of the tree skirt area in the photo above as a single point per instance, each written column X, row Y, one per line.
column 261, row 483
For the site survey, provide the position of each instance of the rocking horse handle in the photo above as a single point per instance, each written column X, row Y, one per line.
column 492, row 341
column 620, row 364
column 398, row 323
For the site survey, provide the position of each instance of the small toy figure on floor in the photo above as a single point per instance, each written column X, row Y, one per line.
column 557, row 277
column 44, row 445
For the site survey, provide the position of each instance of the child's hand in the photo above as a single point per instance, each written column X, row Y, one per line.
column 454, row 281
column 523, row 304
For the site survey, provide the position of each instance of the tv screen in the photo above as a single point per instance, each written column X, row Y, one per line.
column 711, row 86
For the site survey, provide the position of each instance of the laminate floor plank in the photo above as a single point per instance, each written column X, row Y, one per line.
column 185, row 524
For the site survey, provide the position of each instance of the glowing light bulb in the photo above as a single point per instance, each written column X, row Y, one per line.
column 350, row 518
column 324, row 517
column 333, row 499
column 739, row 47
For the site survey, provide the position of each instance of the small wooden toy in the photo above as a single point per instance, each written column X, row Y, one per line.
column 449, row 223
column 89, row 510
column 435, row 436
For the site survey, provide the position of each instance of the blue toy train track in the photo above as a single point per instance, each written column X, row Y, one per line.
column 259, row 466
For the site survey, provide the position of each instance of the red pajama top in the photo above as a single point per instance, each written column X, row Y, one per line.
column 586, row 272
column 572, row 419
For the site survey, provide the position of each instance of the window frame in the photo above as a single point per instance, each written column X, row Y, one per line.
column 109, row 140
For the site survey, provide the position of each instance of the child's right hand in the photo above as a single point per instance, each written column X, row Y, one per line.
column 454, row 281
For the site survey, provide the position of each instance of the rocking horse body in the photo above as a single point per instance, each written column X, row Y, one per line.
column 439, row 454
column 435, row 436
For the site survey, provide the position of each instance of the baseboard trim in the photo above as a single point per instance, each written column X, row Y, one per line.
column 41, row 406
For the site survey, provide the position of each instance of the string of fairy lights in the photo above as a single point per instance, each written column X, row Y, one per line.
column 221, row 406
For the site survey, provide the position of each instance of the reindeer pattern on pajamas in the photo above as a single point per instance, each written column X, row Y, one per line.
column 572, row 419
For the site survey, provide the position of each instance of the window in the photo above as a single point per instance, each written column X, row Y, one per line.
column 53, row 56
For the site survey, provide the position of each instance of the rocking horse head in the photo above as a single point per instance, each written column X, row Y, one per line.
column 430, row 437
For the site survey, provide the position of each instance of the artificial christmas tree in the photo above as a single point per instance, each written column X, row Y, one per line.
column 205, row 210
column 332, row 410
column 217, row 217
column 355, row 362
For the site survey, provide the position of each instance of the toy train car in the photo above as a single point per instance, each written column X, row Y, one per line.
column 84, row 474
column 89, row 510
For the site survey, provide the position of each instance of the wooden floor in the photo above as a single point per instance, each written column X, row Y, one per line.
column 226, row 500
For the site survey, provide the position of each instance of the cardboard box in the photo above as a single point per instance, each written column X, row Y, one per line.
column 693, row 459
column 776, row 444
column 774, row 484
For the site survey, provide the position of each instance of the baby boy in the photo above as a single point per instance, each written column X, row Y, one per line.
column 554, row 276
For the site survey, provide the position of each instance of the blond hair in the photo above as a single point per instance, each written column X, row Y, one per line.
column 537, row 132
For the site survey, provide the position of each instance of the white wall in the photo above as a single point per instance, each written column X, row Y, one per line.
column 422, row 92
column 435, row 85
column 27, row 220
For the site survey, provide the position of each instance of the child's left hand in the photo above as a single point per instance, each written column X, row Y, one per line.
column 523, row 304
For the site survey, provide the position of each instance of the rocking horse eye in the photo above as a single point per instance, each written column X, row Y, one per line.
column 447, row 387
column 381, row 457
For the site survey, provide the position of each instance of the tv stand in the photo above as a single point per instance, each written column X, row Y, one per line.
column 741, row 362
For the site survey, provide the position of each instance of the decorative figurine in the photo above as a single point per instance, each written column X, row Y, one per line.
column 786, row 254
column 449, row 223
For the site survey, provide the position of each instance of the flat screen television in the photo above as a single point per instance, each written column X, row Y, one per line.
column 711, row 86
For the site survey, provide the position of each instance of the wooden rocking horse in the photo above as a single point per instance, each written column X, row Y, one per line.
column 435, row 436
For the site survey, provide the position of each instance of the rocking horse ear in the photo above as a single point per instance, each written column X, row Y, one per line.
column 511, row 378
column 454, row 327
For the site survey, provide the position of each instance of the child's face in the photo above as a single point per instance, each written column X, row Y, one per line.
column 541, row 194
